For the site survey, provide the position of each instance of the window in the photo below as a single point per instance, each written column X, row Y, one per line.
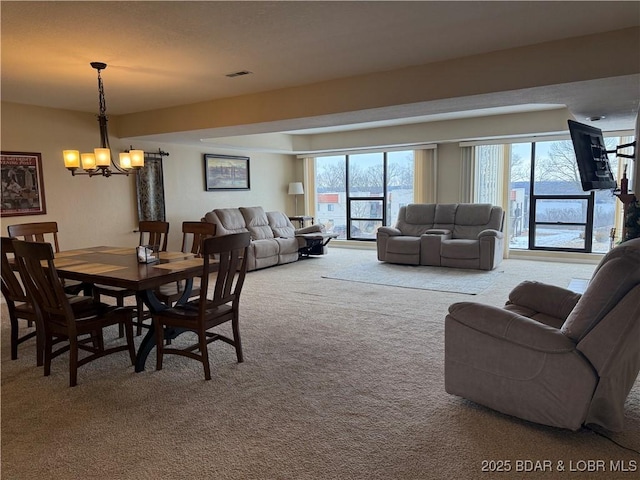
column 358, row 193
column 547, row 208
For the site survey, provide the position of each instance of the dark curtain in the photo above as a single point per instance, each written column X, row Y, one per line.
column 150, row 190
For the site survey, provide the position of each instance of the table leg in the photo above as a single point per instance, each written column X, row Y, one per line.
column 149, row 340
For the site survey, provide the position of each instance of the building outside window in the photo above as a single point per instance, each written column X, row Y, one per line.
column 358, row 193
column 547, row 208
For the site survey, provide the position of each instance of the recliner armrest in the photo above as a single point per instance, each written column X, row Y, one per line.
column 392, row 231
column 548, row 299
column 489, row 232
column 310, row 229
column 511, row 327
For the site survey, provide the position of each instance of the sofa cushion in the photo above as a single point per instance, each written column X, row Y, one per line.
column 473, row 214
column 420, row 213
column 552, row 300
column 460, row 248
column 445, row 215
column 405, row 245
column 280, row 225
column 257, row 222
column 471, row 219
column 265, row 248
column 415, row 219
column 287, row 249
column 230, row 220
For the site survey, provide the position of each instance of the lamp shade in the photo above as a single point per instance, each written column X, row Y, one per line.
column 125, row 160
column 71, row 158
column 296, row 188
column 103, row 157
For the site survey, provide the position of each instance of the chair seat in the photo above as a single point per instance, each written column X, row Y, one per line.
column 191, row 311
column 169, row 293
column 120, row 294
column 73, row 287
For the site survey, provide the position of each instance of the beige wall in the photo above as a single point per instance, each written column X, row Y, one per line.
column 103, row 211
column 449, row 170
column 501, row 73
column 93, row 211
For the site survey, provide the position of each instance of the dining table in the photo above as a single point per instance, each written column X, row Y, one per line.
column 120, row 267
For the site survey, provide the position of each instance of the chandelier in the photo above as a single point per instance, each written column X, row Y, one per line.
column 100, row 162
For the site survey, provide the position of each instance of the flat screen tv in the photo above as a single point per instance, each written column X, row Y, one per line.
column 591, row 155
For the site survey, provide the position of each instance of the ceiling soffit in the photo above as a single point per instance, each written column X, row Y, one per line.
column 535, row 74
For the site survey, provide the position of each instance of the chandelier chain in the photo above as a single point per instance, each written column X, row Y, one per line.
column 103, row 105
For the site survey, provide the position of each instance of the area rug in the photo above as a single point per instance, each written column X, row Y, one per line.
column 441, row 279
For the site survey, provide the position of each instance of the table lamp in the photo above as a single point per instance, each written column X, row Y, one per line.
column 296, row 188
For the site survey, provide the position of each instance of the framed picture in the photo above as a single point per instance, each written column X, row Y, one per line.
column 226, row 172
column 22, row 184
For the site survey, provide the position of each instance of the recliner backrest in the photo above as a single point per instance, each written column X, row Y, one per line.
column 614, row 277
column 227, row 220
column 281, row 225
column 257, row 222
column 416, row 218
column 472, row 218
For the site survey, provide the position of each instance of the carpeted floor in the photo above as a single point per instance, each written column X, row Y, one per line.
column 341, row 380
column 441, row 279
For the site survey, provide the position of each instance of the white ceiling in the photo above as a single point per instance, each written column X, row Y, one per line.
column 163, row 54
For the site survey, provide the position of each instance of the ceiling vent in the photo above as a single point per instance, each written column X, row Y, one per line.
column 238, row 74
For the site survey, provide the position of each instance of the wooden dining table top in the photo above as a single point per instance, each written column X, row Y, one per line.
column 119, row 267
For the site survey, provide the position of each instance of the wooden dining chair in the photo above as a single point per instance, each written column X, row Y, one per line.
column 209, row 310
column 193, row 234
column 59, row 321
column 21, row 306
column 151, row 233
column 36, row 232
column 46, row 232
column 154, row 233
column 18, row 305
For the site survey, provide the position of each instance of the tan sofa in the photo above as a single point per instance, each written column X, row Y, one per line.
column 274, row 240
column 465, row 235
column 553, row 356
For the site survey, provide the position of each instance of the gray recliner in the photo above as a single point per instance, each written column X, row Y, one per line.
column 460, row 235
column 552, row 356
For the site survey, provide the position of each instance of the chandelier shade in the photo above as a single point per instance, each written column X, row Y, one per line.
column 100, row 161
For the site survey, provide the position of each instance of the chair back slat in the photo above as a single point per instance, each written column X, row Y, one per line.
column 156, row 233
column 196, row 232
column 36, row 232
column 41, row 280
column 231, row 252
column 11, row 287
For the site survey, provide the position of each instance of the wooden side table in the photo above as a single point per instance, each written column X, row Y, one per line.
column 302, row 220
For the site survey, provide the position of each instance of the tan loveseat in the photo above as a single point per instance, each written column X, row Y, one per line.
column 553, row 356
column 464, row 235
column 274, row 240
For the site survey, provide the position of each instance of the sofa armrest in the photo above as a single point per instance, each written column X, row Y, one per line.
column 511, row 327
column 310, row 229
column 392, row 231
column 548, row 299
column 489, row 232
